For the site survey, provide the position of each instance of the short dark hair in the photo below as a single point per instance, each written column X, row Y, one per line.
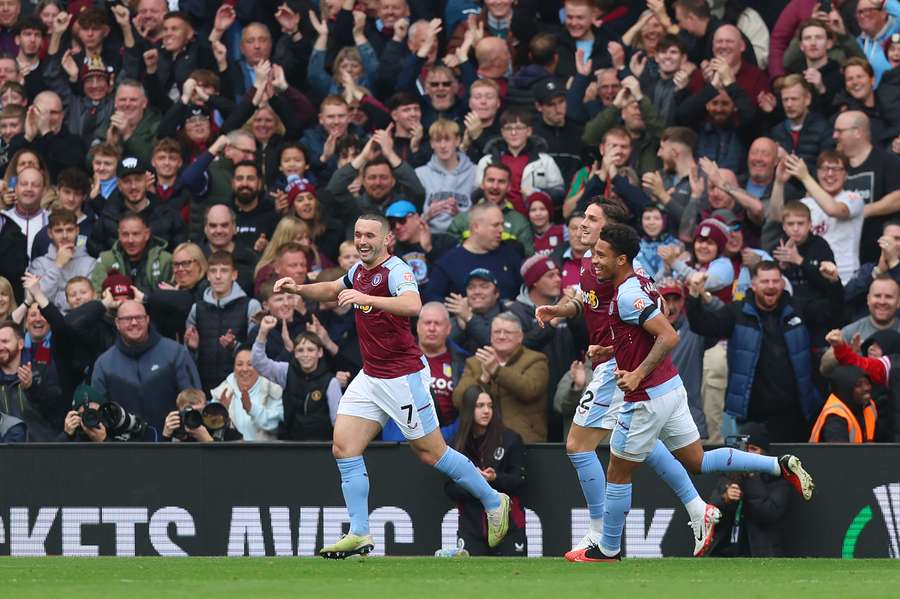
column 379, row 218
column 543, row 49
column 499, row 166
column 75, row 179
column 293, row 145
column 833, row 156
column 311, row 337
column 9, row 324
column 402, row 98
column 379, row 160
column 516, row 114
column 668, row 40
column 130, row 215
column 221, row 258
column 697, row 8
column 764, row 265
column 61, row 216
column 179, row 14
column 683, row 135
column 31, row 21
column 613, row 210
column 623, row 239
column 574, row 215
column 248, row 163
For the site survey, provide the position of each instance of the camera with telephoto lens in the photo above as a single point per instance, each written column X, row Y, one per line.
column 213, row 416
column 120, row 424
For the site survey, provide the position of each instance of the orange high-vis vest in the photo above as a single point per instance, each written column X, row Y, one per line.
column 835, row 407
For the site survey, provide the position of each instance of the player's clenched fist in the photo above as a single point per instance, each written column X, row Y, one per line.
column 352, row 296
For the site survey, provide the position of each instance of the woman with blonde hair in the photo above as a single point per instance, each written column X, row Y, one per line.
column 290, row 229
column 7, row 299
column 170, row 303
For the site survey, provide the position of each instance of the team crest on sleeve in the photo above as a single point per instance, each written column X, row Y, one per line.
column 409, row 277
column 639, row 304
column 376, row 280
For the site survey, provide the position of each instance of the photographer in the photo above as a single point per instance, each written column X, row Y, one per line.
column 753, row 507
column 74, row 428
column 195, row 421
column 95, row 419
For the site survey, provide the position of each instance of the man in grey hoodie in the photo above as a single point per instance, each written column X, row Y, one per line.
column 64, row 259
column 219, row 323
column 448, row 178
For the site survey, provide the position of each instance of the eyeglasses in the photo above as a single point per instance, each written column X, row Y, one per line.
column 843, row 129
column 130, row 319
column 514, row 128
column 183, row 265
column 861, row 12
column 440, row 84
column 831, row 169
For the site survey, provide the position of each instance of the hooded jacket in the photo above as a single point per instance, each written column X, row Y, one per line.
column 439, row 184
column 54, row 278
column 154, row 267
column 146, row 378
column 842, row 419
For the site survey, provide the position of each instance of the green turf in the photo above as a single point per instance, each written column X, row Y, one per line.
column 431, row 578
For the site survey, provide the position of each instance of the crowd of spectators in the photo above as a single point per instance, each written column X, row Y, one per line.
column 167, row 161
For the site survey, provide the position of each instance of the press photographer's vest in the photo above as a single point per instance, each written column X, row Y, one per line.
column 215, row 362
column 306, row 415
column 835, row 407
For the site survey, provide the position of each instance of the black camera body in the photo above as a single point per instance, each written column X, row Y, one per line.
column 214, row 417
column 120, row 424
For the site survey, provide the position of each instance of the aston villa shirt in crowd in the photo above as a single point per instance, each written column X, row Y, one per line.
column 441, row 367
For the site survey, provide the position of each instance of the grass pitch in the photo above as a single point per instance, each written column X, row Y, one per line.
column 431, row 578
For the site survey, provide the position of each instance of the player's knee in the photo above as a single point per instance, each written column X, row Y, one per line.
column 340, row 450
column 574, row 445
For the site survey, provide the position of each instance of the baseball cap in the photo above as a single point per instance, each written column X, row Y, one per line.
column 199, row 112
column 548, row 88
column 481, row 273
column 131, row 165
column 672, row 289
column 118, row 284
column 399, row 209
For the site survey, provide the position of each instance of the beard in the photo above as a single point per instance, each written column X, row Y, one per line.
column 244, row 195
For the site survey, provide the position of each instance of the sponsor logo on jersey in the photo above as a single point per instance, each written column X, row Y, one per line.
column 363, row 309
column 640, row 304
column 420, row 267
column 590, row 298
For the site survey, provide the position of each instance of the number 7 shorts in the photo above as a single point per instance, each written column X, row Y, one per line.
column 406, row 400
column 601, row 401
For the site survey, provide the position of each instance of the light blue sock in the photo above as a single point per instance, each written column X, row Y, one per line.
column 672, row 472
column 355, row 486
column 618, row 502
column 592, row 479
column 463, row 472
column 727, row 459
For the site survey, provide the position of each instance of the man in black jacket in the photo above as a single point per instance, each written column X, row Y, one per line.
column 132, row 196
column 43, row 134
column 27, row 391
column 13, row 255
column 562, row 134
column 753, row 507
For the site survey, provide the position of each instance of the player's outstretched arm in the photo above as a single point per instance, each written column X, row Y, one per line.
column 407, row 304
column 326, row 291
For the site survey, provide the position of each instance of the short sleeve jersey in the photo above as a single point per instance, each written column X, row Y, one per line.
column 637, row 301
column 596, row 296
column 388, row 347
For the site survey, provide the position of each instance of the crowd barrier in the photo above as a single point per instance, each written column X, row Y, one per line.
column 285, row 500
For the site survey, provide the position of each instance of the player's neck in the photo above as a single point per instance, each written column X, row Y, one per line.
column 622, row 276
